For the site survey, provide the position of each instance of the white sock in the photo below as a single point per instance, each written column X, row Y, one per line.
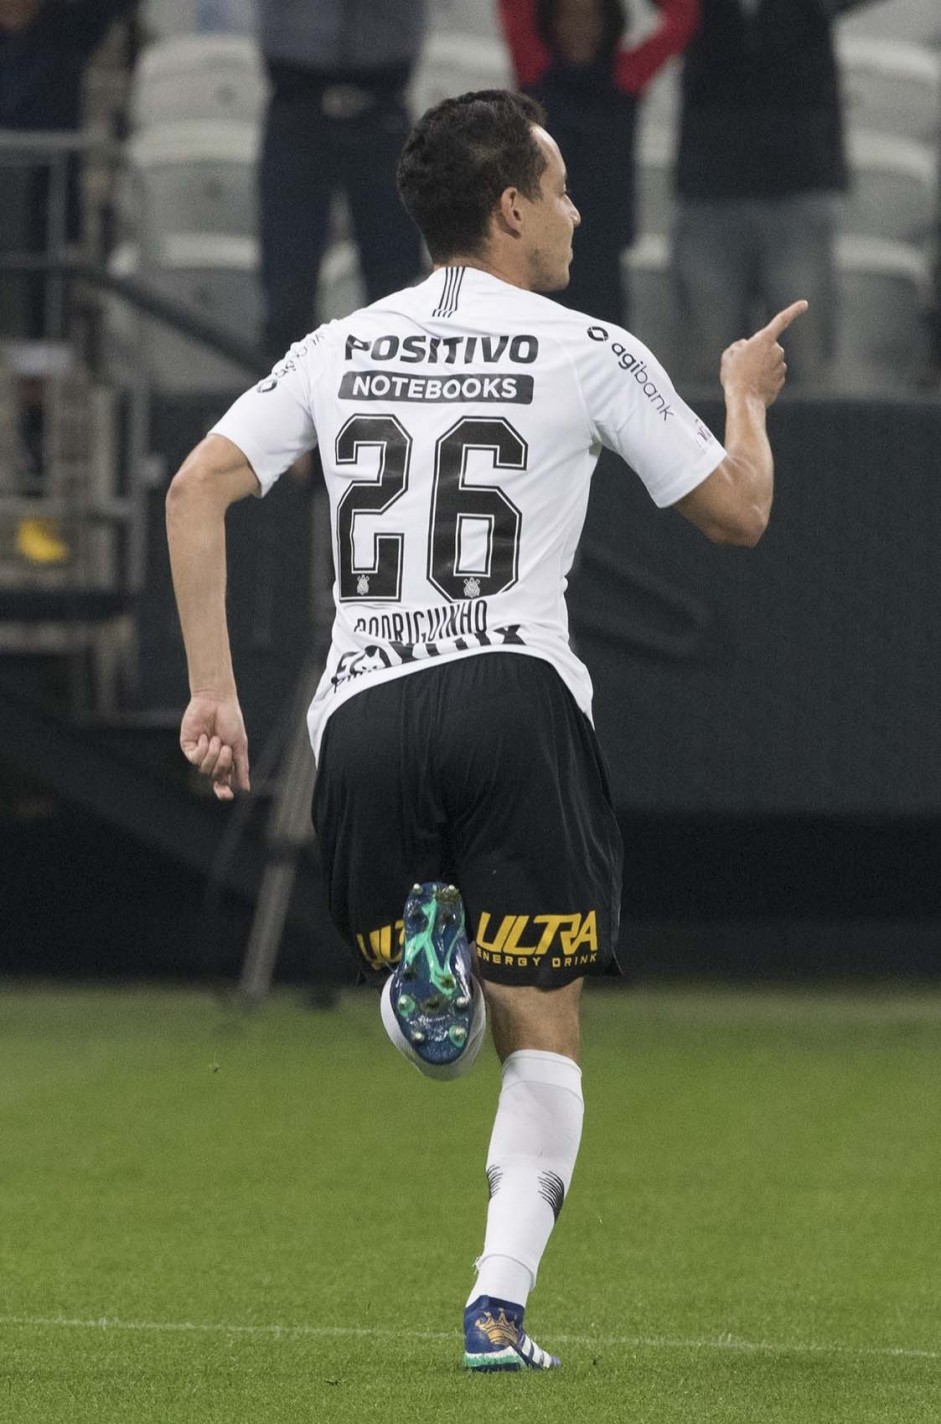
column 530, row 1162
column 441, row 1071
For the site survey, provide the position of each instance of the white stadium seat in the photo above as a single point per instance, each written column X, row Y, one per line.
column 217, row 278
column 660, row 104
column 198, row 77
column 890, row 86
column 884, row 290
column 656, row 159
column 653, row 308
column 468, row 17
column 894, row 187
column 339, row 288
column 191, row 177
column 883, row 295
column 162, row 19
column 455, row 62
column 915, row 20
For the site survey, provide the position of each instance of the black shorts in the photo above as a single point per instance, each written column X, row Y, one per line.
column 482, row 772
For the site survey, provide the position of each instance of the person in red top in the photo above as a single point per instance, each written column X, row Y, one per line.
column 571, row 56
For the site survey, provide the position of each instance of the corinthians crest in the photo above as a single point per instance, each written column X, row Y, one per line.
column 471, row 588
column 362, row 585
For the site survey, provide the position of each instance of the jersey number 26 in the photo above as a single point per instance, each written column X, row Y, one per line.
column 474, row 530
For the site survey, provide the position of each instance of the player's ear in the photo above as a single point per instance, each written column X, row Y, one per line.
column 508, row 213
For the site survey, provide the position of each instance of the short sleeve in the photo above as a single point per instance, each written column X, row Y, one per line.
column 273, row 423
column 634, row 410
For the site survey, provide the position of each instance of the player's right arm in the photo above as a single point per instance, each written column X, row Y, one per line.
column 212, row 733
column 258, row 438
column 733, row 505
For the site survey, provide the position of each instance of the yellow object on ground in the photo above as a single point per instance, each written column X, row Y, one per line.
column 41, row 542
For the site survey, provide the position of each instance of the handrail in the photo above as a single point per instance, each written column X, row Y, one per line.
column 155, row 304
column 51, row 142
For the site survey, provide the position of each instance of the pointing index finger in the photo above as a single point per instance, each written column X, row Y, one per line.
column 782, row 321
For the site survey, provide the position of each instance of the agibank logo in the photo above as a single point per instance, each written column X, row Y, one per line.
column 520, row 940
column 635, row 366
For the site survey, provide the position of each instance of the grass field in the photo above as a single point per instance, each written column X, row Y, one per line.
column 210, row 1218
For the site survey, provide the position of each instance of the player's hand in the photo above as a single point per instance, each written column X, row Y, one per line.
column 212, row 736
column 756, row 366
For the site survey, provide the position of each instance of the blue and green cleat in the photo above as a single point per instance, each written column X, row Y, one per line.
column 432, row 992
column 494, row 1339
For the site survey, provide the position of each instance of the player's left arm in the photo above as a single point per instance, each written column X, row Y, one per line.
column 733, row 505
column 635, row 66
column 212, row 733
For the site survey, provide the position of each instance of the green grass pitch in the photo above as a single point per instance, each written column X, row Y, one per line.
column 207, row 1217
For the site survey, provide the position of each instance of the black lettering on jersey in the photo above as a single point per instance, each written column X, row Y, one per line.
column 447, row 350
column 353, row 343
column 492, row 353
column 524, row 349
column 405, row 631
column 385, row 348
column 510, row 632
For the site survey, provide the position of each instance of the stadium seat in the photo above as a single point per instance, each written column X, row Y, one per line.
column 660, row 106
column 190, row 177
column 198, row 78
column 217, row 277
column 890, row 86
column 656, row 156
column 883, row 295
column 214, row 275
column 452, row 62
column 883, row 298
column 893, row 191
column 162, row 19
column 918, row 21
column 339, row 289
column 653, row 309
column 467, row 17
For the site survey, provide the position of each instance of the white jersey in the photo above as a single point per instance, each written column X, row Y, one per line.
column 459, row 423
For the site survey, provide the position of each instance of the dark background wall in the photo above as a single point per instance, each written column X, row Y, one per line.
column 801, row 677
column 770, row 717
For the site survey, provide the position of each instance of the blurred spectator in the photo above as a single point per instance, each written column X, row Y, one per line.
column 760, row 169
column 336, row 121
column 45, row 46
column 570, row 55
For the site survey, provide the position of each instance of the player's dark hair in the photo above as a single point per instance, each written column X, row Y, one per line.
column 460, row 157
column 613, row 25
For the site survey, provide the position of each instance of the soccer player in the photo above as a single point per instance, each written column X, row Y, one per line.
column 459, row 422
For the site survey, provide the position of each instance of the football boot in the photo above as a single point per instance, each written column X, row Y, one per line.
column 432, row 986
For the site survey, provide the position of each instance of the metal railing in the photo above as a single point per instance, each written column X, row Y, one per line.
column 91, row 590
